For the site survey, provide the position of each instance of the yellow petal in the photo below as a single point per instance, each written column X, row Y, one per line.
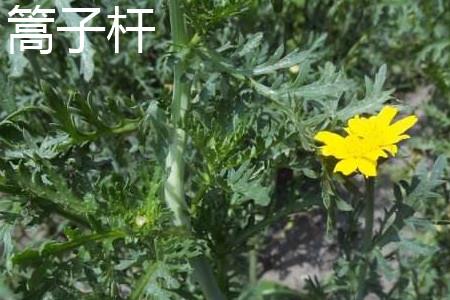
column 375, row 154
column 399, row 138
column 328, row 137
column 346, row 166
column 386, row 115
column 358, row 126
column 401, row 126
column 367, row 167
column 337, row 150
column 391, row 138
column 392, row 149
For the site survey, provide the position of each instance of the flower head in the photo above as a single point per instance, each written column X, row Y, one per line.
column 367, row 139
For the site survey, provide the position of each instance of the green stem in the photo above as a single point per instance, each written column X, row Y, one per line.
column 50, row 206
column 52, row 249
column 252, row 267
column 367, row 237
column 143, row 281
column 370, row 199
column 174, row 186
column 204, row 276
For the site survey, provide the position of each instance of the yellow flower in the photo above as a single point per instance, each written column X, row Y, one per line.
column 368, row 138
column 379, row 130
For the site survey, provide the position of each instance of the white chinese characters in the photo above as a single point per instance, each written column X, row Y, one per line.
column 82, row 28
column 31, row 29
column 117, row 28
column 31, row 32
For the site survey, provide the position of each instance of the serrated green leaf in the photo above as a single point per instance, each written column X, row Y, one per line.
column 246, row 187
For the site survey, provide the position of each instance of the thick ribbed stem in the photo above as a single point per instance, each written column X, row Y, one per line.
column 174, row 186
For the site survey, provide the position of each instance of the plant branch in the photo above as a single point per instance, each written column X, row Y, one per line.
column 174, row 186
column 51, row 206
column 50, row 249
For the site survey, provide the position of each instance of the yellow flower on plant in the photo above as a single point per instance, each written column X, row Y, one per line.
column 367, row 139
